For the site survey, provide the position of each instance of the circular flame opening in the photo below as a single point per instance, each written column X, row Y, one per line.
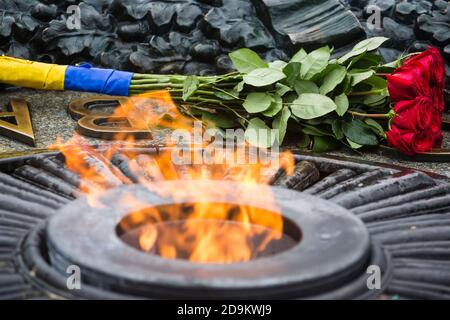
column 225, row 233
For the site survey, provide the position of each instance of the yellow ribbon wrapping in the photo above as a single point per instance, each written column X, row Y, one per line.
column 30, row 74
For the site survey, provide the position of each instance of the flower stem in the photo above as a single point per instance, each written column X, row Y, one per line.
column 154, row 86
column 367, row 93
column 370, row 115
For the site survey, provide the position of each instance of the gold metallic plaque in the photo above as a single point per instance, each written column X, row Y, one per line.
column 97, row 123
column 16, row 122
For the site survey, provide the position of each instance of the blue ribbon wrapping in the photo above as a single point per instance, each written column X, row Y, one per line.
column 105, row 81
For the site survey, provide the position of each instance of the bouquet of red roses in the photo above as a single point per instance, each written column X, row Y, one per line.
column 322, row 102
column 417, row 91
column 355, row 100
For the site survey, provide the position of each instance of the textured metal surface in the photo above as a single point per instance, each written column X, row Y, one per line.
column 20, row 128
column 104, row 125
column 406, row 212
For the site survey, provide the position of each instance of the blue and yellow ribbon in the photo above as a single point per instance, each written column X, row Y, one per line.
column 44, row 76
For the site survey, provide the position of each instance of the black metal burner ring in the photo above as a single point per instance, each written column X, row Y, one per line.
column 406, row 212
column 335, row 246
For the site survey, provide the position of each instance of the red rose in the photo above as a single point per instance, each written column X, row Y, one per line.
column 417, row 126
column 417, row 89
column 421, row 75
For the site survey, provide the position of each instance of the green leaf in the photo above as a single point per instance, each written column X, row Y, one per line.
column 394, row 64
column 315, row 122
column 239, row 87
column 282, row 89
column 376, row 82
column 278, row 64
column 227, row 95
column 357, row 131
column 299, row 56
column 312, row 105
column 375, row 100
column 304, row 141
column 347, row 84
column 342, row 104
column 336, row 126
column 366, row 61
column 259, row 134
column 292, row 71
column 315, row 62
column 305, row 86
column 218, row 120
column 263, row 77
column 318, row 78
column 257, row 102
column 364, row 46
column 290, row 97
column 281, row 123
column 315, row 131
column 375, row 126
column 246, row 60
column 275, row 106
column 359, row 76
column 333, row 79
column 324, row 144
column 354, row 145
column 370, row 44
column 190, row 86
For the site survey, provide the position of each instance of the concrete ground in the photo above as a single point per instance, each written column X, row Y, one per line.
column 51, row 121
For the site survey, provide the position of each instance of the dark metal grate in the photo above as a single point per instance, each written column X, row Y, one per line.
column 407, row 211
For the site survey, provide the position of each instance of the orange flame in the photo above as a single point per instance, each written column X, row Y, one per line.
column 211, row 231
